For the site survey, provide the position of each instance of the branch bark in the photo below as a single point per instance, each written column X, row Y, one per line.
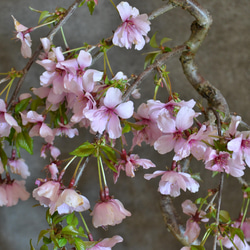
column 199, row 30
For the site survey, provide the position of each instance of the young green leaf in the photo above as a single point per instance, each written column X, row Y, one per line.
column 24, row 141
column 22, row 105
column 84, row 150
column 153, row 42
column 31, row 246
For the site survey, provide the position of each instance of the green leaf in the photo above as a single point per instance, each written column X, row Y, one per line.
column 194, row 247
column 72, row 220
column 46, row 240
column 48, row 217
column 91, row 6
column 70, row 230
column 44, row 247
column 31, row 246
column 43, row 15
column 109, row 165
column 90, row 244
column 164, row 40
column 62, row 242
column 57, row 218
column 84, row 150
column 224, row 216
column 150, row 58
column 153, row 42
column 22, row 105
column 24, row 141
column 41, row 234
column 80, row 244
column 126, row 128
column 3, row 156
column 167, row 49
column 109, row 152
column 81, row 4
column 237, row 231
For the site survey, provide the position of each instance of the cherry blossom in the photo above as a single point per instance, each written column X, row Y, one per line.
column 171, row 182
column 18, row 166
column 107, row 243
column 107, row 116
column 133, row 29
column 110, row 212
column 173, row 129
column 14, row 191
column 6, row 121
column 192, row 226
column 47, row 193
column 222, row 161
column 150, row 132
column 24, row 38
column 130, row 163
column 68, row 201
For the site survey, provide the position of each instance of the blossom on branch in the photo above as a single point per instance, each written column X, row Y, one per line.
column 192, row 226
column 6, row 121
column 110, row 212
column 133, row 29
column 107, row 243
column 171, row 182
column 107, row 116
column 24, row 38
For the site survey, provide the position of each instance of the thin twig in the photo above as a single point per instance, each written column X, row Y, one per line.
column 158, row 63
column 50, row 36
column 222, row 175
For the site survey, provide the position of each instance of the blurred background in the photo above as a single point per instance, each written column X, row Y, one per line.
column 223, row 59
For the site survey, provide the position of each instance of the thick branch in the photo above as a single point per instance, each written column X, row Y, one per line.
column 199, row 30
column 50, row 36
column 171, row 219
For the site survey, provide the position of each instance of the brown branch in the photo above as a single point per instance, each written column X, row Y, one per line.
column 161, row 10
column 158, row 63
column 50, row 36
column 199, row 30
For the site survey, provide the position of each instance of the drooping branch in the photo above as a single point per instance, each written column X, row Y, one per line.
column 50, row 36
column 199, row 30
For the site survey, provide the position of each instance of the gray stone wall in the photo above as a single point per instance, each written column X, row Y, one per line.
column 223, row 59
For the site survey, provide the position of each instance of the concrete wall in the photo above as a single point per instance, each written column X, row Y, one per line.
column 223, row 59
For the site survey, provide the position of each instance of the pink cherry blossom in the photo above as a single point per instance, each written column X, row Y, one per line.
column 173, row 128
column 243, row 245
column 47, row 193
column 3, row 196
column 222, row 161
column 130, row 163
column 68, row 201
column 133, row 29
column 14, row 191
column 6, row 121
column 150, row 133
column 54, row 151
column 24, row 38
column 110, row 212
column 171, row 182
column 107, row 116
column 107, row 243
column 192, row 226
column 18, row 166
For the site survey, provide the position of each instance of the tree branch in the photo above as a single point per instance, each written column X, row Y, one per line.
column 199, row 30
column 158, row 63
